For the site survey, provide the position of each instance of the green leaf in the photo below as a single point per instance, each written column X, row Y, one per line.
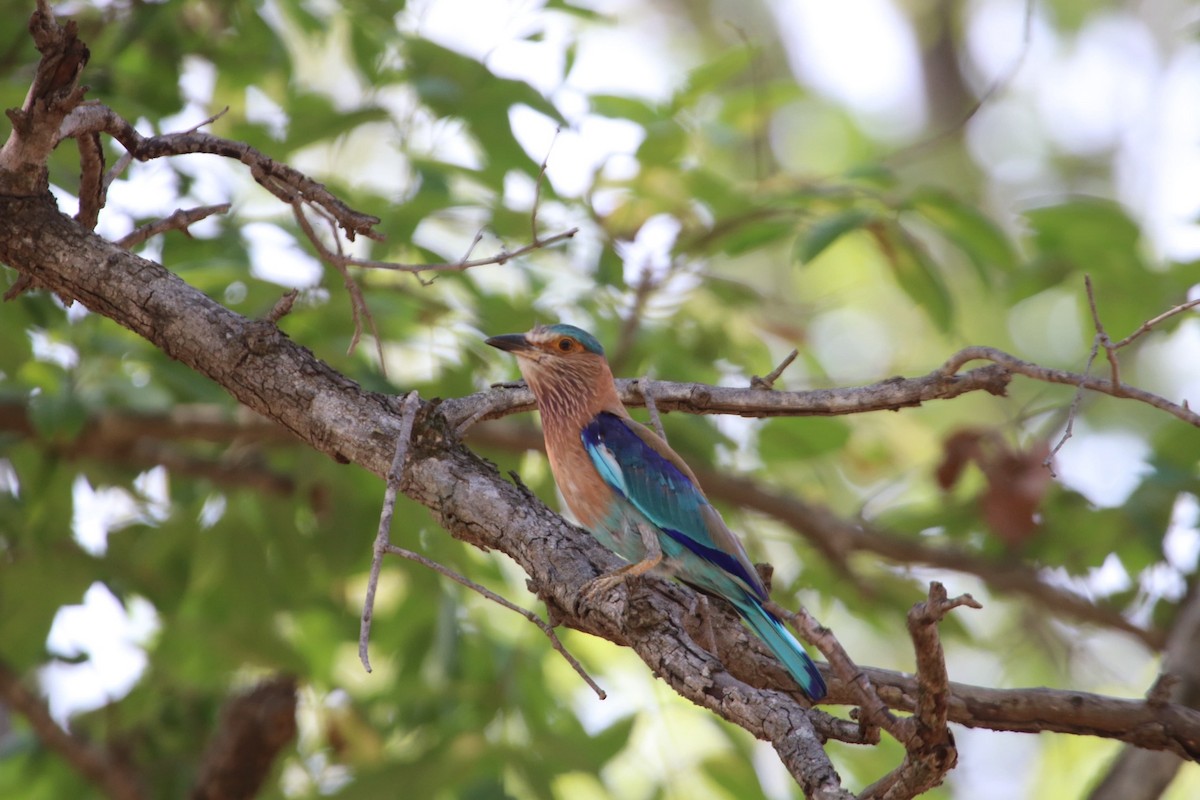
column 915, row 272
column 57, row 416
column 980, row 239
column 314, row 118
column 630, row 108
column 664, row 143
column 801, row 439
column 710, row 76
column 456, row 86
column 821, row 235
column 756, row 234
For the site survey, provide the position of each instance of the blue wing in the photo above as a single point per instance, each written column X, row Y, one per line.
column 646, row 473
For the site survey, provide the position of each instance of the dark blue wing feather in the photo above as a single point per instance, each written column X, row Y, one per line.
column 634, row 466
column 660, row 491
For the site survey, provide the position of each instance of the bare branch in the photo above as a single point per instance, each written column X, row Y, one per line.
column 647, row 283
column 537, row 189
column 1048, row 375
column 412, row 402
column 695, row 398
column 1149, row 324
column 91, row 180
column 254, row 728
column 874, row 713
column 906, row 154
column 930, row 753
column 1102, row 337
column 359, row 309
column 545, row 627
column 503, row 257
column 179, row 220
column 286, row 183
column 768, row 380
column 116, row 779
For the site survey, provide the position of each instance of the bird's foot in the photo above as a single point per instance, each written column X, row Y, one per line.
column 598, row 586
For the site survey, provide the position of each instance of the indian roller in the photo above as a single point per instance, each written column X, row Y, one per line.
column 626, row 485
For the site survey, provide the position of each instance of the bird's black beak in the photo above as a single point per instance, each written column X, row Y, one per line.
column 512, row 342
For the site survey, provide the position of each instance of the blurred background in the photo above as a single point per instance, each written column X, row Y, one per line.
column 873, row 183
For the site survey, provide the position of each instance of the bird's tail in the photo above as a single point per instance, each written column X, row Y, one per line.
column 783, row 645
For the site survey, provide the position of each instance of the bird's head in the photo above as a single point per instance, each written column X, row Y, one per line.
column 564, row 366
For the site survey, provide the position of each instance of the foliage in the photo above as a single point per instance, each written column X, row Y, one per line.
column 872, row 270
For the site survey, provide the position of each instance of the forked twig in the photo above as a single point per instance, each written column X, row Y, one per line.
column 545, row 627
column 180, row 220
column 875, row 712
column 412, row 402
column 1103, row 340
column 383, row 546
column 537, row 189
column 768, row 381
column 931, row 751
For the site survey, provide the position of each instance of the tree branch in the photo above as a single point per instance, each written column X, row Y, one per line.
column 114, row 778
column 254, row 728
column 930, row 753
column 180, row 220
column 1138, row 774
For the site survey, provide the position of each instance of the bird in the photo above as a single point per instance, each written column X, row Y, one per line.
column 633, row 493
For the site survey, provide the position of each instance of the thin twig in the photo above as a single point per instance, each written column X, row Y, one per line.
column 646, row 284
column 874, row 712
column 1102, row 337
column 503, row 257
column 1150, row 323
column 1072, row 412
column 999, row 85
column 537, row 188
column 474, row 243
column 180, row 220
column 359, row 310
column 647, row 388
column 544, row 626
column 768, row 380
column 383, row 536
column 117, row 780
column 1049, row 375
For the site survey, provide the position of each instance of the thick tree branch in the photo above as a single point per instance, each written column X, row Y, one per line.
column 254, row 728
column 115, row 778
column 1138, row 774
column 52, row 95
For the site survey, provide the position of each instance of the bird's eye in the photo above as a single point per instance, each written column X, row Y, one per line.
column 565, row 344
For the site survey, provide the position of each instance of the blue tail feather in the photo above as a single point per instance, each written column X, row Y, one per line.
column 784, row 646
